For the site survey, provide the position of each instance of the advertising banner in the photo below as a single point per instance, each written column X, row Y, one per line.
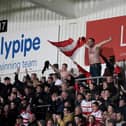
column 27, row 49
column 103, row 29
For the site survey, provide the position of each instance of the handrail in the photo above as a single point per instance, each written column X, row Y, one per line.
column 91, row 78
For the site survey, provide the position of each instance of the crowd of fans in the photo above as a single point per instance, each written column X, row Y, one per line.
column 60, row 100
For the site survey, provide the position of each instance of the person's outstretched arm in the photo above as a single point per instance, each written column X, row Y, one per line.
column 104, row 42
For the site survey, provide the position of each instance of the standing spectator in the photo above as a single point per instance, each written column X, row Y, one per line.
column 25, row 111
column 119, row 119
column 19, row 121
column 38, row 101
column 79, row 120
column 32, row 120
column 79, row 99
column 105, row 98
column 7, row 82
column 122, row 107
column 86, row 104
column 63, row 71
column 1, row 118
column 111, row 111
column 12, row 114
column 92, row 122
column 5, row 116
column 94, row 55
column 111, row 122
column 50, row 123
column 34, row 79
column 96, row 112
column 68, row 116
column 60, row 119
column 57, row 81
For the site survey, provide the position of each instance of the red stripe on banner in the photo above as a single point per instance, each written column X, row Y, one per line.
column 79, row 44
column 82, row 70
column 62, row 43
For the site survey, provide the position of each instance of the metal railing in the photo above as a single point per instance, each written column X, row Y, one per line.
column 97, row 78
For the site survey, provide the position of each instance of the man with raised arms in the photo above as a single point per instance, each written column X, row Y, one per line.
column 94, row 55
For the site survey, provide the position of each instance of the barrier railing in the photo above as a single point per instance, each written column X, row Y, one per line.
column 92, row 78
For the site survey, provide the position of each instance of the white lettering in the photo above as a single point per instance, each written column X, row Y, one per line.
column 122, row 43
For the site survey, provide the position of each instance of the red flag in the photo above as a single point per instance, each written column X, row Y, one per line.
column 69, row 47
column 62, row 43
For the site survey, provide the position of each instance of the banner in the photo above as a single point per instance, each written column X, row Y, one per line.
column 27, row 49
column 114, row 27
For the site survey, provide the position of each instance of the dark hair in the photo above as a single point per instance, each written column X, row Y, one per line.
column 112, row 121
column 50, row 77
column 68, row 109
column 83, row 38
column 56, row 75
column 92, row 116
column 19, row 117
column 7, row 78
column 92, row 39
column 96, row 103
column 56, row 66
column 88, row 92
column 65, row 65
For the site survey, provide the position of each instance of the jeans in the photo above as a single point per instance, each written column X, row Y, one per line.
column 95, row 69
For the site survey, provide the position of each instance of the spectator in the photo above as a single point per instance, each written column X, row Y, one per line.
column 122, row 107
column 33, row 121
column 79, row 99
column 60, row 119
column 86, row 104
column 96, row 112
column 111, row 111
column 68, row 116
column 41, row 102
column 79, row 120
column 12, row 114
column 111, row 122
column 19, row 121
column 92, row 122
column 119, row 119
column 57, row 80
